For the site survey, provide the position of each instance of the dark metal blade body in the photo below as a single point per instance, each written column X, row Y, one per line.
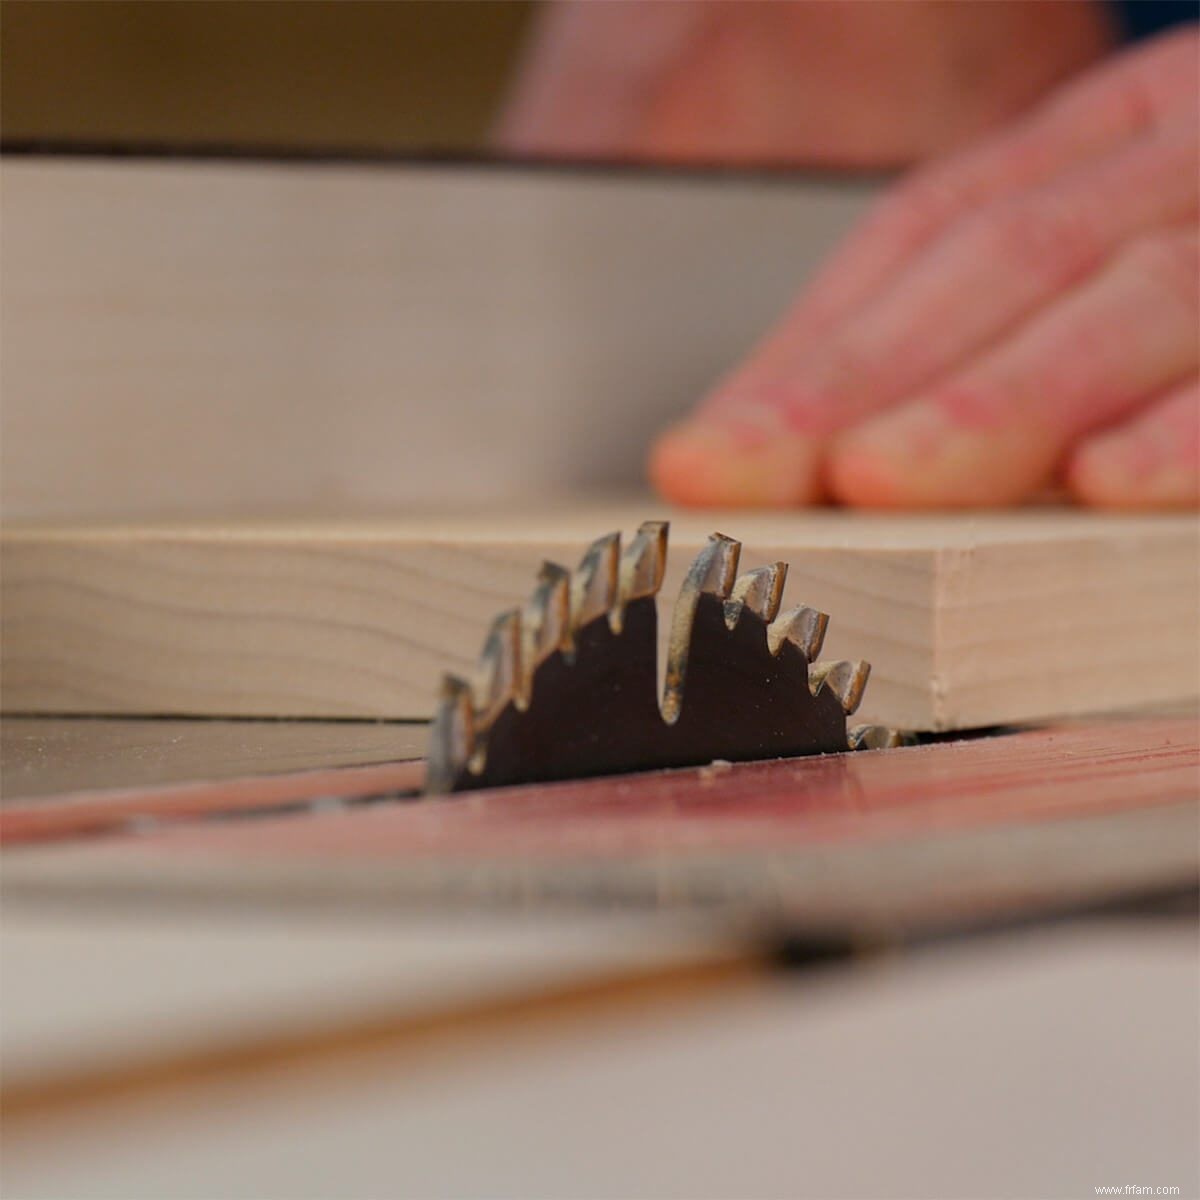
column 595, row 711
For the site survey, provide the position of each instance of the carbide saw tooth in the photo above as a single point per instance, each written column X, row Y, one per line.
column 712, row 572
column 545, row 625
column 804, row 627
column 875, row 737
column 845, row 679
column 451, row 735
column 594, row 584
column 644, row 562
column 760, row 591
column 714, row 569
column 499, row 677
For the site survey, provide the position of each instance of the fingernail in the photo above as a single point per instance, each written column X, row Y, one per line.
column 710, row 464
column 915, row 458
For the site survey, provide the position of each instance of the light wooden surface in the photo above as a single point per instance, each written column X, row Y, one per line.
column 968, row 621
column 105, row 990
column 52, row 757
column 199, row 337
column 70, row 777
column 1030, row 1066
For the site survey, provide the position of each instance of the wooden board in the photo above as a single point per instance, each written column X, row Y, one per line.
column 44, row 759
column 215, row 337
column 968, row 621
column 71, row 777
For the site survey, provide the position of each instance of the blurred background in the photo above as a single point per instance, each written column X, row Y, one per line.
column 294, row 256
column 340, row 73
column 189, row 331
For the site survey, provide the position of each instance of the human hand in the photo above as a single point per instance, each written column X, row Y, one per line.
column 1021, row 312
column 872, row 83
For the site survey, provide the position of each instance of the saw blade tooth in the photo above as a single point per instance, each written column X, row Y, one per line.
column 760, row 591
column 875, row 737
column 804, row 627
column 644, row 562
column 847, row 681
column 451, row 735
column 499, row 675
column 712, row 572
column 714, row 569
column 545, row 625
column 594, row 584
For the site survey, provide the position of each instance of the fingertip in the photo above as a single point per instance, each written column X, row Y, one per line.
column 680, row 465
column 858, row 476
column 702, row 465
column 917, row 458
column 1090, row 475
column 1105, row 473
column 889, row 462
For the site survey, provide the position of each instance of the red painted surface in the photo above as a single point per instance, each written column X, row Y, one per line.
column 1039, row 775
column 77, row 814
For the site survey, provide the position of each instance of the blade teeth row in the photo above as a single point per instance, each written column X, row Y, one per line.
column 606, row 580
column 562, row 602
column 521, row 639
column 759, row 591
column 803, row 627
column 846, row 680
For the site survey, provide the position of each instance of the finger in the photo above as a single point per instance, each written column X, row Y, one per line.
column 960, row 296
column 994, row 433
column 1110, row 106
column 1139, row 90
column 752, row 463
column 984, row 276
column 800, row 385
column 757, row 439
column 1151, row 461
column 589, row 73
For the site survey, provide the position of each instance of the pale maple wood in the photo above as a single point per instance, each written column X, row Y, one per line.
column 968, row 621
column 44, row 760
column 217, row 337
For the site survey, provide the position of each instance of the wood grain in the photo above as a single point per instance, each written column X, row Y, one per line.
column 43, row 759
column 968, row 621
column 240, row 336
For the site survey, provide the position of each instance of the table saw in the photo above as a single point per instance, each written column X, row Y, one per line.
column 252, row 946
